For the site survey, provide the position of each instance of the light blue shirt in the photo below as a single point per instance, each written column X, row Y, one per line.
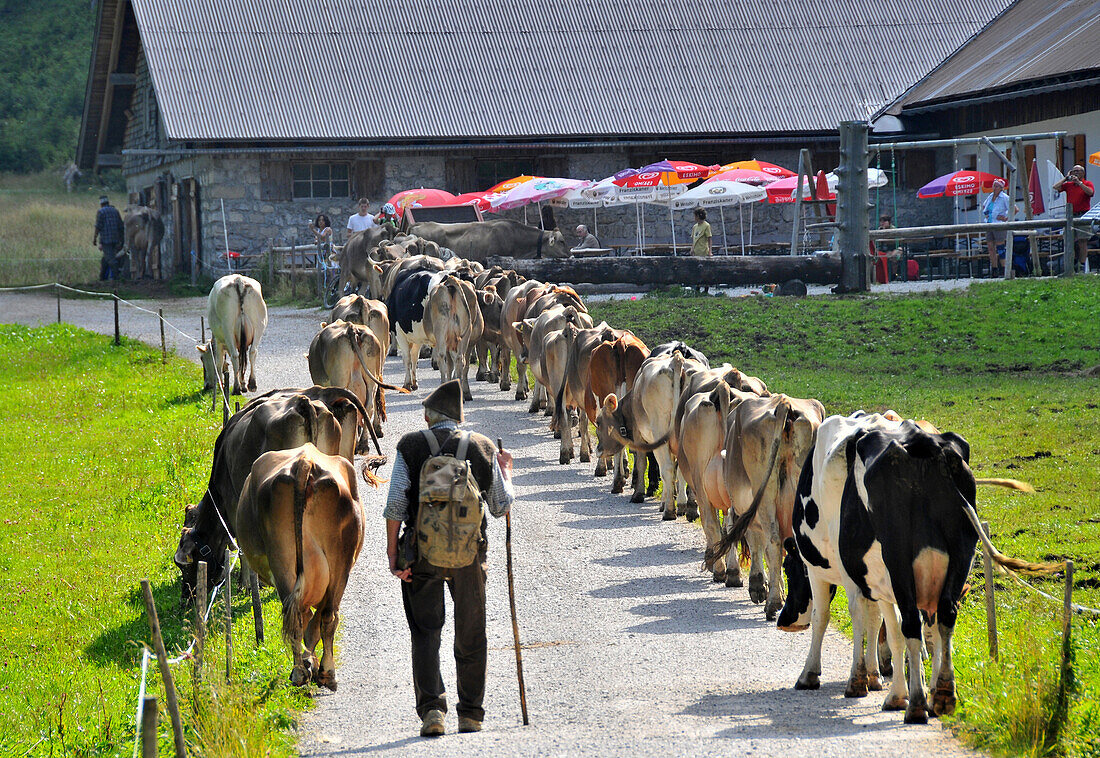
column 993, row 207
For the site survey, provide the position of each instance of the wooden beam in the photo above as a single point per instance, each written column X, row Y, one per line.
column 108, row 160
column 122, row 79
column 112, row 61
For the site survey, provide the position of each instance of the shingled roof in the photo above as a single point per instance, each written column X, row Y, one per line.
column 422, row 70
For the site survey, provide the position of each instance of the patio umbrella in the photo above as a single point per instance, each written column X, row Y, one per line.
column 537, row 190
column 508, row 184
column 576, row 199
column 679, row 172
column 720, row 194
column 755, row 165
column 1094, row 159
column 958, row 183
column 480, row 199
column 782, row 190
column 652, row 184
column 743, row 175
column 422, row 196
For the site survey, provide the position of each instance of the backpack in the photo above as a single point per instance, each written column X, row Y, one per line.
column 448, row 520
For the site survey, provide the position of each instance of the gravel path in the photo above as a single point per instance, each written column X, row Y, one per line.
column 628, row 647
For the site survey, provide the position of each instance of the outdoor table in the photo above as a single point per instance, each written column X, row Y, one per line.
column 591, row 252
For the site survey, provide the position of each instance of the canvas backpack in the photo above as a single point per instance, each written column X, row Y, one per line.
column 448, row 520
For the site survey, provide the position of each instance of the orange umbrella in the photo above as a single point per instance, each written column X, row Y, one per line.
column 755, row 165
column 1094, row 159
column 509, row 184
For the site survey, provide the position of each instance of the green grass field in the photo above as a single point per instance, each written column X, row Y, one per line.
column 1002, row 364
column 101, row 448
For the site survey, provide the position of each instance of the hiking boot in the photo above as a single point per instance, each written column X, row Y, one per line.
column 467, row 724
column 432, row 724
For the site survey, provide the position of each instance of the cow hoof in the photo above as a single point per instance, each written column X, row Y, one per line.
column 557, row 434
column 808, row 682
column 692, row 513
column 772, row 609
column 943, row 699
column 299, row 676
column 326, row 679
column 505, row 386
column 874, row 683
column 585, row 457
column 886, row 667
column 467, row 396
column 856, row 688
column 758, row 588
column 733, row 579
column 637, row 497
column 237, row 390
column 564, row 458
column 251, row 385
column 481, row 376
column 916, row 714
column 896, row 703
column 668, row 515
column 408, row 386
column 601, row 468
column 520, row 395
column 718, row 577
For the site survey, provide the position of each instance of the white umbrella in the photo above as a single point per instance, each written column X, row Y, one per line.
column 719, row 194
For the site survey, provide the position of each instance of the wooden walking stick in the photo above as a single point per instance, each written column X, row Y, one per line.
column 512, row 605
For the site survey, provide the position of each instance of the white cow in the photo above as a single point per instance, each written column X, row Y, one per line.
column 238, row 317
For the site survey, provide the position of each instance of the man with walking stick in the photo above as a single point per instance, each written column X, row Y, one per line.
column 443, row 482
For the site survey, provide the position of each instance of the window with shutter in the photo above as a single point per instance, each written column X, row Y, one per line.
column 317, row 180
column 369, row 179
column 275, row 180
column 1080, row 154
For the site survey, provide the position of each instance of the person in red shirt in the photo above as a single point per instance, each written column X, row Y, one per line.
column 1079, row 192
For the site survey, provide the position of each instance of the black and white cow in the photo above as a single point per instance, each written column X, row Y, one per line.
column 885, row 509
column 407, row 303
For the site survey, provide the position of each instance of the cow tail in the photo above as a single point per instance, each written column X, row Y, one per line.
column 366, row 370
column 740, row 525
column 559, row 398
column 305, row 409
column 301, row 472
column 242, row 328
column 1009, row 564
column 1012, row 484
column 380, row 401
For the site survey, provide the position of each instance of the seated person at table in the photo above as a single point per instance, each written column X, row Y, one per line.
column 588, row 240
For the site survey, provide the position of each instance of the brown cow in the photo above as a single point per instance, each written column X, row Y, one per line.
column 453, row 318
column 301, row 529
column 767, row 441
column 533, row 332
column 356, row 309
column 349, row 356
column 326, row 416
column 513, row 311
column 489, row 347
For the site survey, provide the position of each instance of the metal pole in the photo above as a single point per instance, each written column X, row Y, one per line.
column 1069, row 244
column 853, row 235
column 165, row 671
column 963, row 141
column 940, row 230
column 1023, row 183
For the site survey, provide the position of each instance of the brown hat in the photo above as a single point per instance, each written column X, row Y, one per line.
column 446, row 399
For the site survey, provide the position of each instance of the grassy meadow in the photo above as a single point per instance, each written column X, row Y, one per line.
column 1005, row 365
column 101, row 448
column 46, row 232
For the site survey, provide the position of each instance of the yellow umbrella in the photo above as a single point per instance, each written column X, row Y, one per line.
column 509, row 184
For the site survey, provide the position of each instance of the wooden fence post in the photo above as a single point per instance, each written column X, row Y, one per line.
column 200, row 620
column 149, row 728
column 57, row 290
column 257, row 608
column 990, row 606
column 202, row 329
column 228, row 614
column 1069, row 245
column 163, row 345
column 165, row 672
column 1067, row 621
column 118, row 334
column 271, row 263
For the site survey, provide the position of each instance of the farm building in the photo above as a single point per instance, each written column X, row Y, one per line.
column 281, row 110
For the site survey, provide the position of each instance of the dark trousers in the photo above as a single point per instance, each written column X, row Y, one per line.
column 108, row 264
column 423, row 600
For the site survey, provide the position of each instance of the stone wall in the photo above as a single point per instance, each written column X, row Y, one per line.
column 254, row 221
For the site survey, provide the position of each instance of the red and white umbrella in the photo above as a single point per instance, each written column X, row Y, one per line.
column 481, row 199
column 743, row 175
column 536, row 190
column 423, row 196
column 783, row 190
column 959, row 183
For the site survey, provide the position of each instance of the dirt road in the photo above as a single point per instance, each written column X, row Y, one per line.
column 628, row 648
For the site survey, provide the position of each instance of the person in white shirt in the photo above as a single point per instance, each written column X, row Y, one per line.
column 994, row 209
column 361, row 221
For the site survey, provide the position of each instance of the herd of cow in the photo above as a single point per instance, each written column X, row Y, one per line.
column 882, row 506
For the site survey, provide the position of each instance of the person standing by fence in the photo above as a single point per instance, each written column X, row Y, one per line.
column 108, row 235
column 361, row 221
column 995, row 209
column 1079, row 192
column 322, row 234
